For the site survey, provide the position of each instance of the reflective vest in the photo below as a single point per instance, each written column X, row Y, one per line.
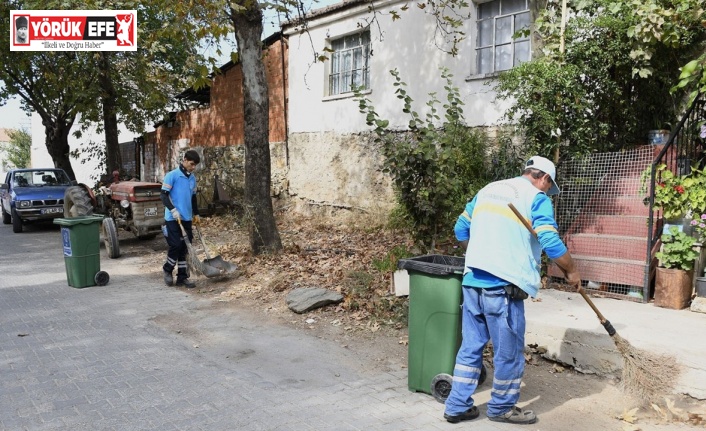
column 499, row 243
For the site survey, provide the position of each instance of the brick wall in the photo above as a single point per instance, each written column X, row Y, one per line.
column 220, row 125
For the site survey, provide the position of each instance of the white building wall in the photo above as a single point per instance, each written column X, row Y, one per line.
column 325, row 131
column 407, row 44
column 86, row 172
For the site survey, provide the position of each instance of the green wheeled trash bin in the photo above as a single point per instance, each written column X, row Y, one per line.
column 81, row 243
column 434, row 322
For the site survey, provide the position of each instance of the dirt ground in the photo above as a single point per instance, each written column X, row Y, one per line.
column 324, row 256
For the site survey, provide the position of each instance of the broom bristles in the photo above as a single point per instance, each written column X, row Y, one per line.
column 192, row 259
column 645, row 375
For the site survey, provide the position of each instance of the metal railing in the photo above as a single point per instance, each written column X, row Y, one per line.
column 683, row 150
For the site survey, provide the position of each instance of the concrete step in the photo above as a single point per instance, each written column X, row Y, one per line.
column 630, row 272
column 617, row 205
column 627, row 185
column 608, row 246
column 610, row 225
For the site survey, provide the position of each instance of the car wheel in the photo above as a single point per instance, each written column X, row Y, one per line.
column 6, row 218
column 110, row 238
column 16, row 222
column 77, row 202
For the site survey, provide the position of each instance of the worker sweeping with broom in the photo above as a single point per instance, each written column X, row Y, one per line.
column 501, row 270
column 181, row 210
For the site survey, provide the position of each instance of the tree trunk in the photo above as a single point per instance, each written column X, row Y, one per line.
column 113, row 158
column 57, row 142
column 264, row 236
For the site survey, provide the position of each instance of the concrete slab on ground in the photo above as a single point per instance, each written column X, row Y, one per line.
column 565, row 324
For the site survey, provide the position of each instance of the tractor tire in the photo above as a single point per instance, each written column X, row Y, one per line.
column 6, row 218
column 16, row 222
column 77, row 202
column 110, row 238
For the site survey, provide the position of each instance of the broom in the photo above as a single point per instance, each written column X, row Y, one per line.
column 645, row 375
column 192, row 260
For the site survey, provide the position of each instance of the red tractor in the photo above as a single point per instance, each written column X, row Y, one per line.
column 129, row 205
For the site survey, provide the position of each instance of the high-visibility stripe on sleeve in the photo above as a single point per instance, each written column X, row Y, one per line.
column 465, row 215
column 545, row 228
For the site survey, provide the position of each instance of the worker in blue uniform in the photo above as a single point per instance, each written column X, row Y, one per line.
column 502, row 268
column 179, row 198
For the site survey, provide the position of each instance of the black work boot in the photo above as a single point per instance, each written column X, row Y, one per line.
column 468, row 415
column 186, row 283
column 168, row 278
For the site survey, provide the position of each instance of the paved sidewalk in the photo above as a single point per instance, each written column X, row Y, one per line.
column 103, row 358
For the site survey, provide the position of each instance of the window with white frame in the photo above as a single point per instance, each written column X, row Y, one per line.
column 498, row 21
column 349, row 63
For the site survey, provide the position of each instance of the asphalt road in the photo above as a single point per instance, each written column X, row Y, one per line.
column 137, row 355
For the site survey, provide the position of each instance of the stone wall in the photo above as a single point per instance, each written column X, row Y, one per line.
column 228, row 163
column 328, row 169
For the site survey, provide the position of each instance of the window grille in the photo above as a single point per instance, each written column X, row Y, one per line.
column 349, row 63
column 498, row 21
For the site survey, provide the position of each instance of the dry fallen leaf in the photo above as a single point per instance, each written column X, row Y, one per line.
column 678, row 414
column 631, row 427
column 629, row 416
column 404, row 340
column 662, row 414
column 695, row 419
column 558, row 368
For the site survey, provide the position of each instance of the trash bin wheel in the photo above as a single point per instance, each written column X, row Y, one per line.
column 101, row 278
column 441, row 384
column 441, row 387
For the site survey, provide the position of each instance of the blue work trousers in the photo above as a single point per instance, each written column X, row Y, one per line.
column 489, row 314
column 176, row 255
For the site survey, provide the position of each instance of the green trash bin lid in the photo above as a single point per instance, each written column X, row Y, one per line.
column 73, row 221
column 435, row 264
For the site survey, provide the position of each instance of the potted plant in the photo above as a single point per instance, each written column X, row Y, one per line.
column 673, row 282
column 671, row 194
column 678, row 196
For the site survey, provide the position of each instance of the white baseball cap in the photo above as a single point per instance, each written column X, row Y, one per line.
column 546, row 166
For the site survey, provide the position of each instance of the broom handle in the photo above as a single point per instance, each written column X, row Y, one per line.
column 608, row 326
column 203, row 243
column 183, row 231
